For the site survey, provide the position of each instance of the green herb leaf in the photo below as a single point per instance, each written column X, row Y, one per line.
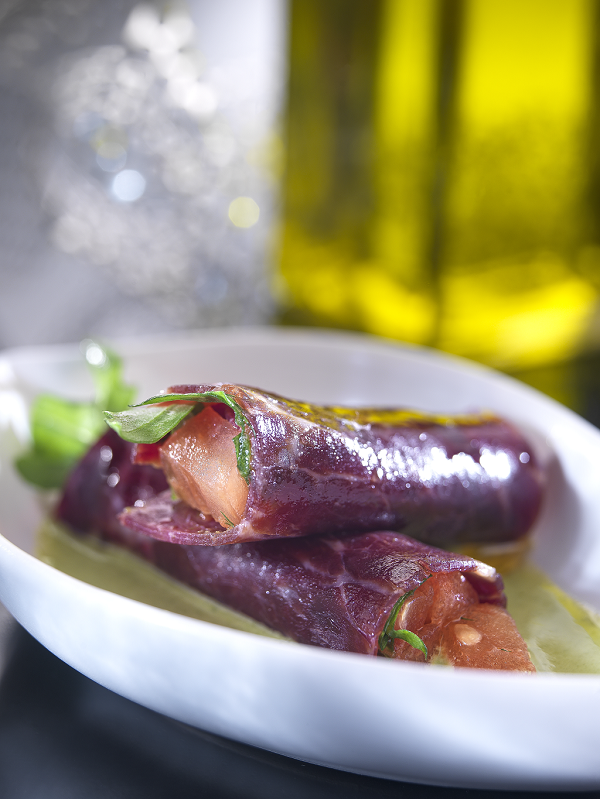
column 42, row 470
column 147, row 424
column 410, row 638
column 389, row 633
column 151, row 420
column 62, row 431
column 111, row 393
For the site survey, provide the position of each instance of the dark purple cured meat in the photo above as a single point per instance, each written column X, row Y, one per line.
column 335, row 592
column 331, row 591
column 103, row 483
column 330, row 470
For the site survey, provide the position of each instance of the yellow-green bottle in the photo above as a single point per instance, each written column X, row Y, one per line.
column 442, row 175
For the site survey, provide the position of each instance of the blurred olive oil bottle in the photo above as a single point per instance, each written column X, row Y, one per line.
column 442, row 178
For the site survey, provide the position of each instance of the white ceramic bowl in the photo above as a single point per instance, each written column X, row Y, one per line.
column 397, row 720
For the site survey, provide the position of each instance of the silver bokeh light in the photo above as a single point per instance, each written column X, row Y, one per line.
column 154, row 157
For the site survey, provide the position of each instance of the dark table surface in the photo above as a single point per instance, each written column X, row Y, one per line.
column 63, row 736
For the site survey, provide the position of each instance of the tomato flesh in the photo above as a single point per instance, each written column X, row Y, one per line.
column 457, row 629
column 485, row 637
column 200, row 463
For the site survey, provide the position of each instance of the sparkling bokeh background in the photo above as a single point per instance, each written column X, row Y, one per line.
column 423, row 170
column 140, row 154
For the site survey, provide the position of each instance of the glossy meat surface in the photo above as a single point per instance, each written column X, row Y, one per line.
column 328, row 470
column 103, row 483
column 331, row 591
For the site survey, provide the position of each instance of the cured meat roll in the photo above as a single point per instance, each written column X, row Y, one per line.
column 371, row 593
column 245, row 465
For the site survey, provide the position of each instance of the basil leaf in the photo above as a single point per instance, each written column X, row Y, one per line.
column 228, row 522
column 385, row 639
column 43, row 471
column 389, row 633
column 62, row 431
column 111, row 393
column 146, row 423
column 63, row 428
column 410, row 638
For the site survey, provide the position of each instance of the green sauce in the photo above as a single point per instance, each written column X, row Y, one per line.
column 561, row 634
column 117, row 570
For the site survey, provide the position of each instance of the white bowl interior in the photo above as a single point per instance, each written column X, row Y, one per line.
column 321, row 706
